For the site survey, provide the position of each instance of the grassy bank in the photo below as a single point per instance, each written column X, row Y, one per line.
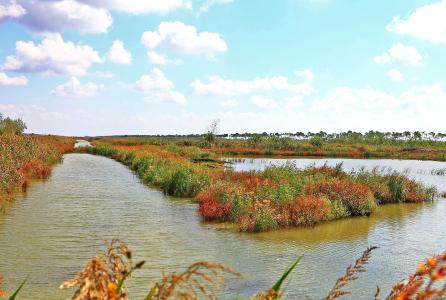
column 24, row 158
column 258, row 201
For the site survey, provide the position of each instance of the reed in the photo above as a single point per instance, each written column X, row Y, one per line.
column 24, row 158
column 105, row 275
column 277, row 197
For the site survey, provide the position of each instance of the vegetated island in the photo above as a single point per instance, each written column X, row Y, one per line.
column 277, row 197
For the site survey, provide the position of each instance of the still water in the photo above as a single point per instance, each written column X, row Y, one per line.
column 52, row 231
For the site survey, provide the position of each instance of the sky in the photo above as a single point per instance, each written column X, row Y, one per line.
column 105, row 67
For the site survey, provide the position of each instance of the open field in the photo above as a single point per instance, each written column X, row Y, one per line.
column 259, row 201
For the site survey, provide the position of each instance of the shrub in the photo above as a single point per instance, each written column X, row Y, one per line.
column 316, row 141
column 356, row 197
column 213, row 210
column 307, row 211
column 264, row 220
column 181, row 183
column 338, row 210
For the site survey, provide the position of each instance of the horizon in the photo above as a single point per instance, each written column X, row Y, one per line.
column 108, row 68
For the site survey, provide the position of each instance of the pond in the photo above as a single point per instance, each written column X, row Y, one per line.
column 51, row 232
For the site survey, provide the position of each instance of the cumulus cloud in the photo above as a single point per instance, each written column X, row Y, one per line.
column 156, row 88
column 229, row 103
column 395, row 75
column 264, row 102
column 73, row 88
column 218, row 86
column 427, row 22
column 14, row 81
column 209, row 3
column 92, row 16
column 141, row 6
column 11, row 9
column 60, row 15
column 400, row 53
column 183, row 39
column 368, row 108
column 52, row 57
column 119, row 54
column 340, row 109
column 161, row 59
column 307, row 74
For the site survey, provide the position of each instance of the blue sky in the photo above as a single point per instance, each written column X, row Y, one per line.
column 99, row 67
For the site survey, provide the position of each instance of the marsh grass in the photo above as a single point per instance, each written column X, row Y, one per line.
column 24, row 158
column 279, row 196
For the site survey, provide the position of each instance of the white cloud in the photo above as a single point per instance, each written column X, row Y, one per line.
column 156, row 88
column 183, row 39
column 157, row 58
column 209, row 3
column 229, row 103
column 218, row 86
column 60, row 15
column 427, row 22
column 118, row 54
column 11, row 9
column 141, row 6
column 15, row 81
column 295, row 101
column 161, row 59
column 52, row 56
column 73, row 88
column 102, row 74
column 307, row 74
column 400, row 53
column 264, row 102
column 395, row 75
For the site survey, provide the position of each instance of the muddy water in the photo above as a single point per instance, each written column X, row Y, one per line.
column 53, row 230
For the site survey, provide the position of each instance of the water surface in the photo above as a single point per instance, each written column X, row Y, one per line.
column 53, row 230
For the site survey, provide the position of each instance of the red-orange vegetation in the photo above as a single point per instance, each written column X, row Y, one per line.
column 355, row 196
column 305, row 211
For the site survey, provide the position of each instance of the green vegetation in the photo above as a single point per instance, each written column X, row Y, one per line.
column 259, row 201
column 14, row 126
column 373, row 144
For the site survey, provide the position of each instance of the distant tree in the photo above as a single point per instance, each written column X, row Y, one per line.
column 417, row 135
column 300, row 134
column 8, row 125
column 212, row 131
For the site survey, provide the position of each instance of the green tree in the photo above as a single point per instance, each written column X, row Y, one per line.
column 8, row 125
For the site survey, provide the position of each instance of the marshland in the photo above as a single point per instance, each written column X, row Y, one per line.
column 222, row 149
column 178, row 201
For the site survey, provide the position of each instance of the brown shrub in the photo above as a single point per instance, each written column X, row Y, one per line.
column 356, row 197
column 306, row 211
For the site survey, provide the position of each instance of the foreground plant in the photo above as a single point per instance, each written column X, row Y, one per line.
column 427, row 283
column 351, row 274
column 104, row 276
column 14, row 295
column 200, row 279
